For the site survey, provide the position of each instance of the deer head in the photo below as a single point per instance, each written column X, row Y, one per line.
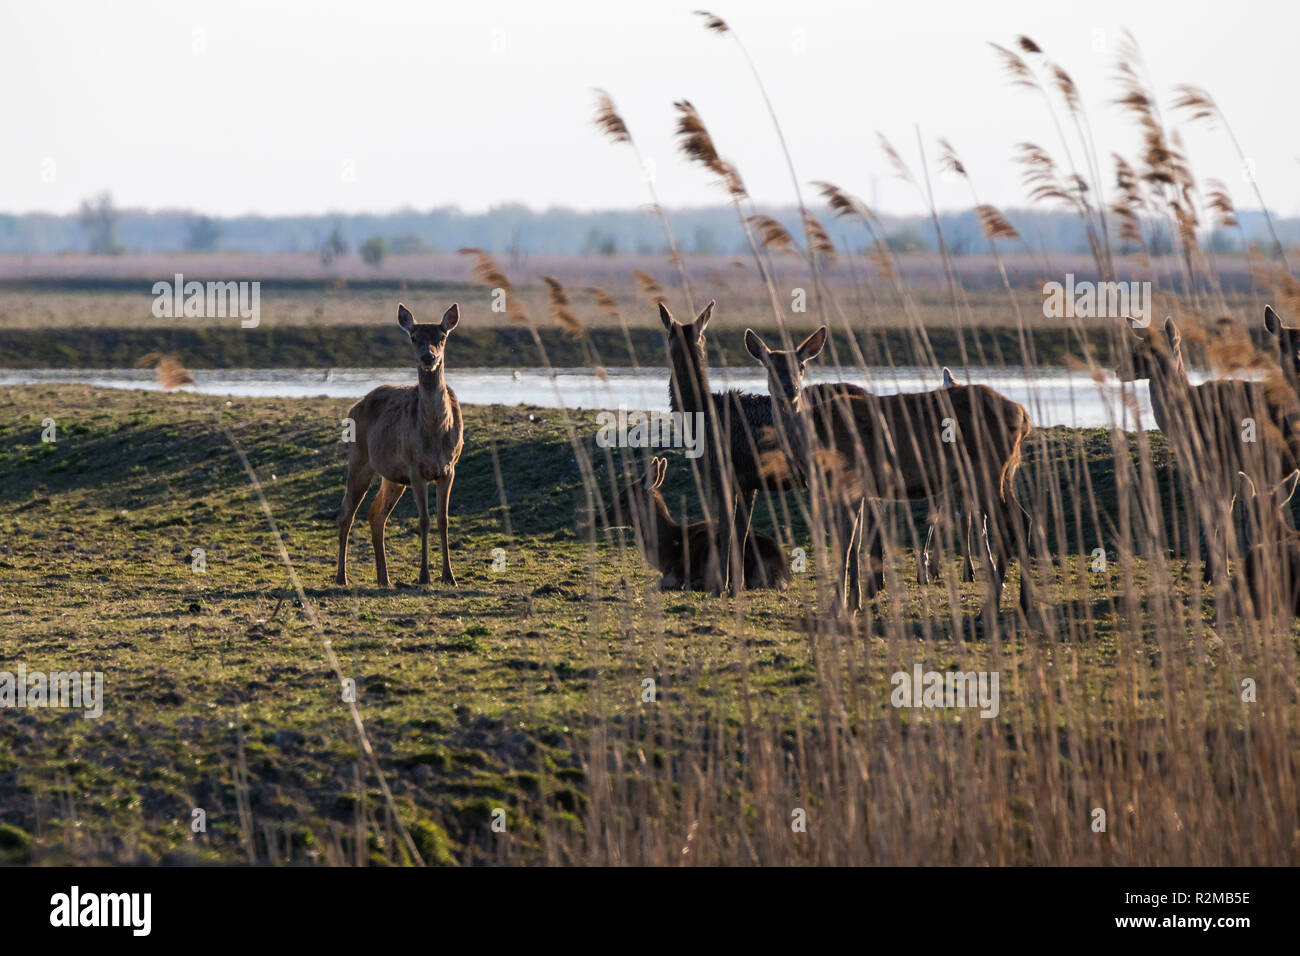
column 1156, row 352
column 1288, row 340
column 429, row 339
column 686, row 352
column 639, row 500
column 785, row 369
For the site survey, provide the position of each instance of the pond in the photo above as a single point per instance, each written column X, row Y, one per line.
column 1053, row 396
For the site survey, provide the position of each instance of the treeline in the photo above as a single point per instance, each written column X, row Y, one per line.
column 101, row 228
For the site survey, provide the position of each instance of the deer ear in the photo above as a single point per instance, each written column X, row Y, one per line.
column 812, row 346
column 1247, row 486
column 665, row 317
column 662, row 472
column 1171, row 331
column 451, row 317
column 702, row 320
column 404, row 317
column 948, row 380
column 1271, row 321
column 756, row 346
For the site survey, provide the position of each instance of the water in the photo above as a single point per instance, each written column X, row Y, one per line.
column 1052, row 396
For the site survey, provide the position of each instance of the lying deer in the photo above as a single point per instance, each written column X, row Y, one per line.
column 685, row 554
column 907, row 447
column 1215, row 429
column 742, row 453
column 1270, row 547
column 408, row 435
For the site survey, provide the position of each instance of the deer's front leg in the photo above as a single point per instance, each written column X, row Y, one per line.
column 744, row 511
column 444, row 503
column 420, row 488
column 725, row 538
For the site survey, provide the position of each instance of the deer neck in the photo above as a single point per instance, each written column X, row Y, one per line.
column 434, row 402
column 1170, row 391
column 794, row 432
column 689, row 388
column 659, row 549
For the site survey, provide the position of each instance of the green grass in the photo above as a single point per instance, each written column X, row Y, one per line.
column 518, row 690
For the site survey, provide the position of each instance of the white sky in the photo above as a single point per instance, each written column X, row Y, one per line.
column 231, row 107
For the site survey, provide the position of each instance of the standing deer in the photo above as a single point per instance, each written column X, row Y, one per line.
column 742, row 453
column 907, row 447
column 1216, row 428
column 684, row 554
column 408, row 435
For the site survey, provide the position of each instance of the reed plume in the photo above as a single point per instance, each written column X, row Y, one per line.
column 771, row 234
column 610, row 122
column 604, row 301
column 1200, row 106
column 489, row 275
column 650, row 289
column 558, row 302
column 696, row 144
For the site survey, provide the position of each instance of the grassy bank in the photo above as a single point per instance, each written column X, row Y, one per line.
column 524, row 688
column 498, row 346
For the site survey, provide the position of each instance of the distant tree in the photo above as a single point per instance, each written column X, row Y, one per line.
column 99, row 218
column 373, row 250
column 599, row 243
column 333, row 247
column 409, row 244
column 706, row 243
column 202, row 235
column 905, row 242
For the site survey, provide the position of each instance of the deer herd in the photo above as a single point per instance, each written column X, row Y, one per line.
column 848, row 453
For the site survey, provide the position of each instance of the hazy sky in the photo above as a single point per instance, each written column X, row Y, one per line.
column 273, row 107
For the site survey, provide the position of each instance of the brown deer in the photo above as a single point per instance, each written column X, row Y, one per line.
column 907, row 447
column 742, row 449
column 684, row 554
column 1215, row 429
column 408, row 435
column 1270, row 546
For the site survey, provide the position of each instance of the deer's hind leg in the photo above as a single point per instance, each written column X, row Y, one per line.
column 359, row 477
column 389, row 494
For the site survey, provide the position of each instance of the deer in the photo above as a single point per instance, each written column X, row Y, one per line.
column 1270, row 546
column 408, row 435
column 1215, row 429
column 684, row 554
column 743, row 454
column 897, row 448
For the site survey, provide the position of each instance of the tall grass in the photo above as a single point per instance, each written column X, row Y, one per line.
column 1145, row 719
